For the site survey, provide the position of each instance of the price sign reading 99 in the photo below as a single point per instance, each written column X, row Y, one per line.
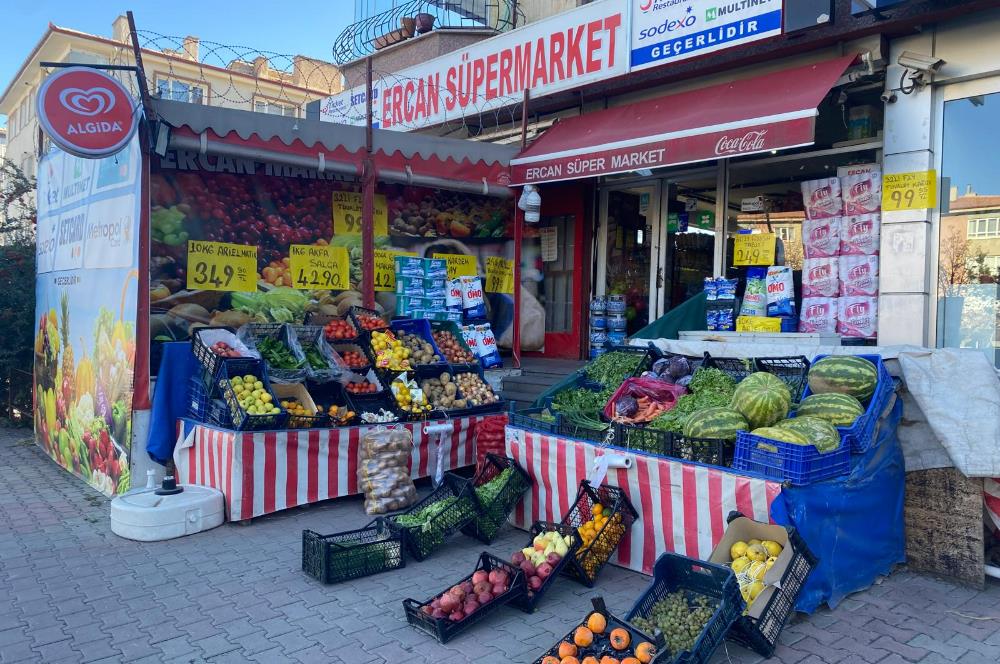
column 319, row 268
column 347, row 214
column 221, row 266
column 909, row 191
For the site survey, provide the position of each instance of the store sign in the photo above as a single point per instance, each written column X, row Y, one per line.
column 86, row 112
column 754, row 249
column 221, row 266
column 909, row 191
column 385, row 268
column 347, row 206
column 563, row 52
column 459, row 265
column 665, row 31
column 499, row 275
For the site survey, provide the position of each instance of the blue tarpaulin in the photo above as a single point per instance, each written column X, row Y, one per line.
column 853, row 524
column 170, row 399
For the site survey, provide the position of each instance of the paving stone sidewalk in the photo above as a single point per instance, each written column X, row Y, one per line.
column 71, row 591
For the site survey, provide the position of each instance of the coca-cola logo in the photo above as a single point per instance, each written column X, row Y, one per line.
column 752, row 141
column 856, row 310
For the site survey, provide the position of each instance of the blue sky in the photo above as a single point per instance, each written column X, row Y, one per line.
column 264, row 25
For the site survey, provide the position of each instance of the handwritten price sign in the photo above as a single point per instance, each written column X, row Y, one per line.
column 221, row 266
column 909, row 191
column 757, row 324
column 347, row 214
column 499, row 275
column 459, row 265
column 754, row 249
column 319, row 268
column 385, row 268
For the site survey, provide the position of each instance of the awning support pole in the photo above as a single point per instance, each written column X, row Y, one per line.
column 368, row 203
column 518, row 235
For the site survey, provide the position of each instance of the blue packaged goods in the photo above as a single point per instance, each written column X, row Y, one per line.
column 616, row 304
column 725, row 289
column 412, row 286
column 435, row 268
column 598, row 305
column 711, row 289
column 789, row 324
column 431, row 302
column 598, row 323
column 616, row 337
column 408, row 266
column 755, row 295
column 598, row 338
column 617, row 323
column 726, row 322
column 437, row 288
column 489, row 354
column 780, row 291
column 405, row 304
column 453, row 294
column 597, row 351
column 416, row 313
column 473, row 304
column 441, row 315
column 712, row 319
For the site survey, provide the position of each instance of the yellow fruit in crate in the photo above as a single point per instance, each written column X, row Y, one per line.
column 598, row 509
column 773, row 548
column 265, row 397
column 754, row 589
column 757, row 553
column 738, row 550
column 752, row 542
column 740, row 564
column 757, row 571
column 770, row 562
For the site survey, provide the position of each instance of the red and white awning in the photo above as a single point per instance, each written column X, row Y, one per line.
column 752, row 115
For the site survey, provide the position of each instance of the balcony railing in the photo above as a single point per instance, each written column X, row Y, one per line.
column 408, row 19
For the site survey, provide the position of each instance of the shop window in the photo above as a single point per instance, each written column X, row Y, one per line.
column 177, row 90
column 968, row 297
column 274, row 108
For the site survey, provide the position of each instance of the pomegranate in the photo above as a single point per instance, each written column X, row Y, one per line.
column 485, row 597
column 544, row 570
column 479, row 576
column 449, row 603
column 499, row 589
column 456, row 615
column 534, row 582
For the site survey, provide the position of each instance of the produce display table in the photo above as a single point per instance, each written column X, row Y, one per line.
column 682, row 506
column 261, row 472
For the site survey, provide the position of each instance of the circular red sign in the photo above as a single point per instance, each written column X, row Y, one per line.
column 86, row 112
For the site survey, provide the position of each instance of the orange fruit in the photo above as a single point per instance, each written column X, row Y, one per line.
column 567, row 649
column 645, row 652
column 620, row 638
column 597, row 623
column 569, row 660
column 589, row 659
column 583, row 637
column 549, row 659
column 630, row 660
column 607, row 659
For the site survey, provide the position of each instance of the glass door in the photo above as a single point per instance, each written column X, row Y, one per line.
column 687, row 236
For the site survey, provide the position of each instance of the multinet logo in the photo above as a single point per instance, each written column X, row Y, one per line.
column 87, row 102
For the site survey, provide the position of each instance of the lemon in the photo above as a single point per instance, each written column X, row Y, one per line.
column 738, row 550
column 753, row 541
column 757, row 553
column 265, row 397
column 770, row 562
column 755, row 589
column 740, row 564
column 757, row 571
column 773, row 548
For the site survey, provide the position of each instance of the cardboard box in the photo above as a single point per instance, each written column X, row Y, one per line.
column 742, row 529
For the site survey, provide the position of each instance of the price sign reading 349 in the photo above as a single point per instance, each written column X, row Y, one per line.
column 319, row 268
column 221, row 266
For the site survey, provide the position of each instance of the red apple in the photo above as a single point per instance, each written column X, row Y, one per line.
column 534, row 582
column 553, row 558
column 456, row 615
column 479, row 576
column 544, row 570
column 517, row 558
column 527, row 568
column 499, row 589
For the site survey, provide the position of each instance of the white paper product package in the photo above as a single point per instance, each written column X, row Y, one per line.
column 821, row 237
column 819, row 315
column 489, row 355
column 755, row 294
column 821, row 277
column 822, row 198
column 860, row 235
column 453, row 294
column 473, row 304
column 862, row 192
column 780, row 291
column 857, row 316
column 859, row 275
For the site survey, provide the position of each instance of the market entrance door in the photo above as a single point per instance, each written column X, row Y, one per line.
column 687, row 238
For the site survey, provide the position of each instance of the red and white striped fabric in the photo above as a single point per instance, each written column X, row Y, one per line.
column 268, row 471
column 682, row 507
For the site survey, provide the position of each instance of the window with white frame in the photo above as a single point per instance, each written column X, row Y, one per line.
column 274, row 108
column 178, row 90
column 12, row 124
column 786, row 233
column 984, row 228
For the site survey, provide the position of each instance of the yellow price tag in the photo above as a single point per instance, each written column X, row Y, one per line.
column 385, row 268
column 347, row 214
column 499, row 275
column 909, row 191
column 754, row 249
column 319, row 268
column 459, row 265
column 757, row 324
column 221, row 266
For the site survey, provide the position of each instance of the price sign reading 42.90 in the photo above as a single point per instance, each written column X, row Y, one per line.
column 319, row 268
column 221, row 266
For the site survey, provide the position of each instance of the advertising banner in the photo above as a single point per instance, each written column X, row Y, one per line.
column 86, row 295
column 665, row 31
column 562, row 52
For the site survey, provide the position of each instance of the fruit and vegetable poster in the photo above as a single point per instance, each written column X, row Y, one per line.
column 86, row 295
column 293, row 222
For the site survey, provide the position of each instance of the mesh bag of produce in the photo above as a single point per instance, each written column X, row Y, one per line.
column 383, row 469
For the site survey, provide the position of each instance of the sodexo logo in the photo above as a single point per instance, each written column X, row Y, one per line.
column 87, row 102
column 669, row 25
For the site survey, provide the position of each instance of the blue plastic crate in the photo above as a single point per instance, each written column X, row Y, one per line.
column 422, row 329
column 674, row 572
column 786, row 462
column 860, row 436
column 198, row 400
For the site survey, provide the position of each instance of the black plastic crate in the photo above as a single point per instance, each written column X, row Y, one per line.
column 423, row 540
column 493, row 513
column 735, row 367
column 646, row 356
column 531, row 598
column 792, row 371
column 532, row 418
column 450, row 326
column 710, row 451
column 209, row 360
column 658, row 442
column 254, row 333
column 373, row 403
column 444, row 629
column 695, row 578
column 761, row 634
column 345, row 347
column 355, row 312
column 240, row 419
column 569, row 429
column 599, row 648
column 422, row 329
column 588, row 561
column 352, row 554
column 323, row 319
column 696, row 361
column 331, row 394
column 313, row 335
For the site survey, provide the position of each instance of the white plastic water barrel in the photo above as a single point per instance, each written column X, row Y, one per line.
column 147, row 517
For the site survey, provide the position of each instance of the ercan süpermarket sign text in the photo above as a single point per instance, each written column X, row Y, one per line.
column 86, row 112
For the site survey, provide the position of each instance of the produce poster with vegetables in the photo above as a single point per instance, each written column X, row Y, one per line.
column 86, row 294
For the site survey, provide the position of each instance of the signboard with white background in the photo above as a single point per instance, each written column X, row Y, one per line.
column 665, row 31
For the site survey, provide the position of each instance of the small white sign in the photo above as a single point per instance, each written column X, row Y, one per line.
column 550, row 243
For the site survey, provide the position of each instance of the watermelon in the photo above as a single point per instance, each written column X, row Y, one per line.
column 820, row 433
column 844, row 374
column 719, row 422
column 784, row 435
column 838, row 409
column 763, row 399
